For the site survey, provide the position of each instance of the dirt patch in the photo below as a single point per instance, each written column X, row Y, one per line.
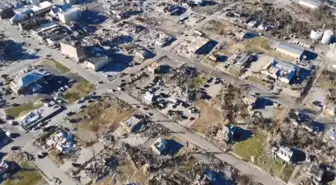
column 219, row 27
column 254, row 45
column 101, row 117
column 254, row 150
column 79, row 90
column 209, row 115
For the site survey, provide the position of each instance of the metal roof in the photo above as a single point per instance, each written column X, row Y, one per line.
column 291, row 48
column 311, row 2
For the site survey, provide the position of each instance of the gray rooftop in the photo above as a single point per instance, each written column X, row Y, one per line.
column 312, row 2
column 291, row 48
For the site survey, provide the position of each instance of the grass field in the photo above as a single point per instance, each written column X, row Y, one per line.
column 104, row 117
column 199, row 81
column 255, row 148
column 79, row 90
column 254, row 45
column 210, row 115
column 23, row 109
column 61, row 68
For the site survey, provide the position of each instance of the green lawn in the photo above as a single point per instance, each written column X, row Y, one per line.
column 255, row 147
column 79, row 90
column 199, row 81
column 61, row 68
column 28, row 175
column 23, row 109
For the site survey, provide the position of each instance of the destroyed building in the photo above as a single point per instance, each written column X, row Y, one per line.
column 133, row 123
column 32, row 23
column 316, row 174
column 164, row 146
column 285, row 154
column 283, row 71
column 63, row 141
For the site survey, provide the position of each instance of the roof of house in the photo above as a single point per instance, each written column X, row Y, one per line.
column 286, row 150
column 282, row 65
column 311, row 2
column 291, row 48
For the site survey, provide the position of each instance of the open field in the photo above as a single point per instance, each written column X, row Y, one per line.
column 219, row 27
column 101, row 117
column 61, row 68
column 23, row 109
column 326, row 80
column 254, row 45
column 79, row 90
column 253, row 150
column 209, row 116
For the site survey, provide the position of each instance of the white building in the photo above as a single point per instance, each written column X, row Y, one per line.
column 198, row 2
column 43, row 7
column 313, row 4
column 327, row 37
column 316, row 34
column 285, row 154
column 69, row 15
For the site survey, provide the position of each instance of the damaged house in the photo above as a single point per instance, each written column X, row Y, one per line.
column 63, row 141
